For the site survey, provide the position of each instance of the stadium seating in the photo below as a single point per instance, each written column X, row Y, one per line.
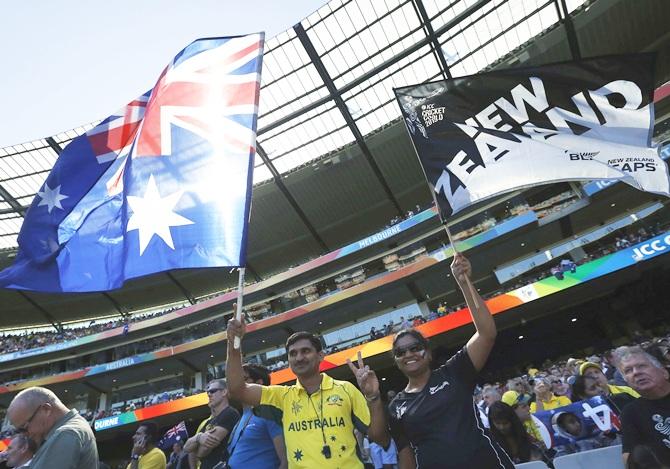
column 532, row 465
column 602, row 458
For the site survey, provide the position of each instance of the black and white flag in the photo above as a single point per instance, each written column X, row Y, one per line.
column 486, row 134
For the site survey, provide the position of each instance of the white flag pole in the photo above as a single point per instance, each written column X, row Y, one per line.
column 468, row 282
column 240, row 296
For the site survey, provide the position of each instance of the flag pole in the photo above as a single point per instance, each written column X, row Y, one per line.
column 240, row 296
column 468, row 282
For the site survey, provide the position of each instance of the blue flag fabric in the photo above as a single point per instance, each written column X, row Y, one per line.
column 591, row 419
column 178, row 433
column 164, row 183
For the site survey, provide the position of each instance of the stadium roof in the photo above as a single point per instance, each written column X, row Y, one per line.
column 333, row 162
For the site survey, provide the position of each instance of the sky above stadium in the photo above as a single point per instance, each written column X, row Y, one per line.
column 71, row 62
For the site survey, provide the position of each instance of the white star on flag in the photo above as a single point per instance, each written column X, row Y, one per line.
column 153, row 215
column 51, row 197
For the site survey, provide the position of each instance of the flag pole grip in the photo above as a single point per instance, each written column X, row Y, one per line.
column 240, row 296
column 468, row 282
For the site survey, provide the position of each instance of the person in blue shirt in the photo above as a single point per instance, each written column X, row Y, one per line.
column 256, row 443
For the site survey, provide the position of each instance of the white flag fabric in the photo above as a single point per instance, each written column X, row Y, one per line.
column 486, row 134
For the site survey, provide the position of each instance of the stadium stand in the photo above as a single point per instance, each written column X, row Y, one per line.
column 604, row 458
column 339, row 248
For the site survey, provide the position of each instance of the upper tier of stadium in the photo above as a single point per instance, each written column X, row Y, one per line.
column 334, row 162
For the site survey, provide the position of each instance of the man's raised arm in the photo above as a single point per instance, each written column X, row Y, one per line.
column 239, row 390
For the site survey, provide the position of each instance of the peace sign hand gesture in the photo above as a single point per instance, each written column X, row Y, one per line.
column 366, row 378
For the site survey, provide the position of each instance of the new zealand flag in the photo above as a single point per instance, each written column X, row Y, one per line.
column 482, row 135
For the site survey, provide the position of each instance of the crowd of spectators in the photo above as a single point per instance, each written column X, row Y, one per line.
column 140, row 402
column 11, row 341
column 615, row 242
column 508, row 406
column 187, row 334
column 409, row 214
column 557, row 377
column 25, row 340
column 14, row 341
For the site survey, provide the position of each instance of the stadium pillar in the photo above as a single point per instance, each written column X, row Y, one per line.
column 102, row 401
column 577, row 254
column 425, row 310
column 199, row 384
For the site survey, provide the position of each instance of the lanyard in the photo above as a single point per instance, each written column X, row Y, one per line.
column 326, row 449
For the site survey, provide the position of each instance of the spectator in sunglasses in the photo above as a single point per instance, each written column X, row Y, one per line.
column 558, row 387
column 433, row 420
column 65, row 439
column 209, row 445
column 545, row 398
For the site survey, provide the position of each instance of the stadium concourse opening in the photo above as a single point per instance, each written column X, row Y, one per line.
column 345, row 241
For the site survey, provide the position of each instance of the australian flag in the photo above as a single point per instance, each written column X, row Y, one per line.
column 164, row 183
column 178, row 433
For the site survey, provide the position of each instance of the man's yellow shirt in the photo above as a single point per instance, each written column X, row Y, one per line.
column 553, row 403
column 154, row 459
column 326, row 418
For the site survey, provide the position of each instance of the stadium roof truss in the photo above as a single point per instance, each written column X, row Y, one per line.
column 328, row 82
column 327, row 95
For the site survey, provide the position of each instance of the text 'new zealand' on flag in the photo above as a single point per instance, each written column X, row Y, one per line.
column 486, row 134
column 164, row 183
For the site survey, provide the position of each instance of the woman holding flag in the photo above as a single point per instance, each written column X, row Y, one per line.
column 433, row 420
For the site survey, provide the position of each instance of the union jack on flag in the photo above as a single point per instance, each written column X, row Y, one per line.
column 116, row 134
column 173, row 435
column 164, row 183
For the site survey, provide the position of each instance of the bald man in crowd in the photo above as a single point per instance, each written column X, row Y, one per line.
column 20, row 451
column 65, row 439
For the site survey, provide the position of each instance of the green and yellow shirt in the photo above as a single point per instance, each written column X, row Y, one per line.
column 554, row 402
column 311, row 422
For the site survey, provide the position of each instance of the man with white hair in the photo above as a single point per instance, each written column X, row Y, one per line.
column 490, row 394
column 645, row 421
column 20, row 451
column 65, row 439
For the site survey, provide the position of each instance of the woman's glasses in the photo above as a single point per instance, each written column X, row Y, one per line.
column 413, row 348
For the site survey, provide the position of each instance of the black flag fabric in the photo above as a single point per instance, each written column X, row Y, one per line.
column 486, row 134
